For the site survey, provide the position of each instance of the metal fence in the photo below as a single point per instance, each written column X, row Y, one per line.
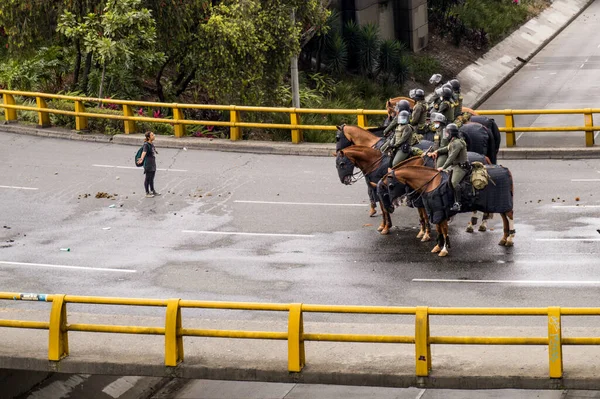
column 59, row 328
column 236, row 124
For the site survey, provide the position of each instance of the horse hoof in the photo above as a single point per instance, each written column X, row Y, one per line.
column 502, row 242
column 420, row 235
column 469, row 229
column 425, row 238
column 385, row 232
column 436, row 249
column 444, row 252
column 380, row 228
column 482, row 228
column 509, row 244
column 372, row 212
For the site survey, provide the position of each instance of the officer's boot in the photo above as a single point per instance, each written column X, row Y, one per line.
column 456, row 207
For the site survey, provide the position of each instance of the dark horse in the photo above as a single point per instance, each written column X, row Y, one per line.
column 435, row 189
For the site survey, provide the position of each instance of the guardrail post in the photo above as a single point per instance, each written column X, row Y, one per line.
column 296, row 355
column 235, row 132
column 129, row 124
column 555, row 342
column 179, row 128
column 362, row 119
column 422, row 346
column 10, row 114
column 589, row 122
column 173, row 340
column 81, row 122
column 58, row 344
column 510, row 124
column 296, row 133
column 43, row 117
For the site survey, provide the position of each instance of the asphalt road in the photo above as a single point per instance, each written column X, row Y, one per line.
column 563, row 75
column 265, row 228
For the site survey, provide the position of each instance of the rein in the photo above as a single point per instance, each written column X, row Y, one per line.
column 408, row 195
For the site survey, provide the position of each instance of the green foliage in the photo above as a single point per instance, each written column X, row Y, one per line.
column 336, row 57
column 369, row 48
column 37, row 73
column 497, row 18
column 422, row 67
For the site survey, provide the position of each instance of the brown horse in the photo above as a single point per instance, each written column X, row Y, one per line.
column 428, row 182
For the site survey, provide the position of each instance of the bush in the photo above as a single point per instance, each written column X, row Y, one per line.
column 422, row 67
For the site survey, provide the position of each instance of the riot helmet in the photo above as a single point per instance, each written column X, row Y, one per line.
column 419, row 95
column 447, row 92
column 411, row 94
column 403, row 117
column 435, row 79
column 452, row 131
column 403, row 105
column 438, row 120
column 455, row 85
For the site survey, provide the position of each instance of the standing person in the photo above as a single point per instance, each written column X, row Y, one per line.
column 149, row 156
column 418, row 119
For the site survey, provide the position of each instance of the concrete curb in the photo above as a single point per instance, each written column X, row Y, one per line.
column 273, row 148
column 307, row 376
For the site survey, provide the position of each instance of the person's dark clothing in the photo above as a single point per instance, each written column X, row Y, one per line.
column 150, row 160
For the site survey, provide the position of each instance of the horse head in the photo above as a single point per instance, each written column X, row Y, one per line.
column 341, row 141
column 396, row 189
column 345, row 168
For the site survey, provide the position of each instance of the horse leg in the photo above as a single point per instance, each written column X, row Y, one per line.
column 439, row 240
column 484, row 220
column 511, row 229
column 387, row 220
column 421, row 223
column 427, row 235
column 372, row 210
column 444, row 229
column 472, row 223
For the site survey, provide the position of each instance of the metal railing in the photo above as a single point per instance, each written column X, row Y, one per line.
column 236, row 124
column 59, row 328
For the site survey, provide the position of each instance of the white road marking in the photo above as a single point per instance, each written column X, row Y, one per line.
column 99, row 269
column 519, row 136
column 120, row 386
column 552, row 282
column 246, row 234
column 552, row 73
column 20, row 188
column 420, row 394
column 575, row 206
column 595, row 136
column 585, row 179
column 567, row 239
column 138, row 168
column 581, row 66
column 296, row 203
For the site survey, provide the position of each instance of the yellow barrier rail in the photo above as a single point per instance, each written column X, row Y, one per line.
column 236, row 124
column 59, row 328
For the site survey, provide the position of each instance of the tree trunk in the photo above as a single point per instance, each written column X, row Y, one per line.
column 86, row 72
column 159, row 86
column 185, row 84
column 77, row 65
column 102, row 81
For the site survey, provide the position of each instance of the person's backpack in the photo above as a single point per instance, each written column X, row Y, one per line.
column 138, row 155
column 479, row 176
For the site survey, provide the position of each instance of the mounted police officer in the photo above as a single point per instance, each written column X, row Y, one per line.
column 401, row 105
column 437, row 125
column 457, row 161
column 456, row 97
column 418, row 119
column 403, row 140
column 446, row 107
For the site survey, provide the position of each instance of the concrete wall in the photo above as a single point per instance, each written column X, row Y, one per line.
column 405, row 20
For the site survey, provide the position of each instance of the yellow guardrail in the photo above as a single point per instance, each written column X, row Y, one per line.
column 235, row 122
column 59, row 328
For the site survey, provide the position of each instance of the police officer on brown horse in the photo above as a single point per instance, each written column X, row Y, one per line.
column 457, row 161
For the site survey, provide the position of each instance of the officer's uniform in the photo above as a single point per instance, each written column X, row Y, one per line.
column 458, row 103
column 457, row 158
column 404, row 138
column 418, row 119
column 447, row 109
column 441, row 141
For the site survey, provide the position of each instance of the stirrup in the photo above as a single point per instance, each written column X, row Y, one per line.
column 456, row 207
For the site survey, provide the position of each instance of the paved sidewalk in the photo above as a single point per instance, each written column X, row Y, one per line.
column 480, row 79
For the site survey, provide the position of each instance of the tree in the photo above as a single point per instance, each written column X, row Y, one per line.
column 123, row 32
